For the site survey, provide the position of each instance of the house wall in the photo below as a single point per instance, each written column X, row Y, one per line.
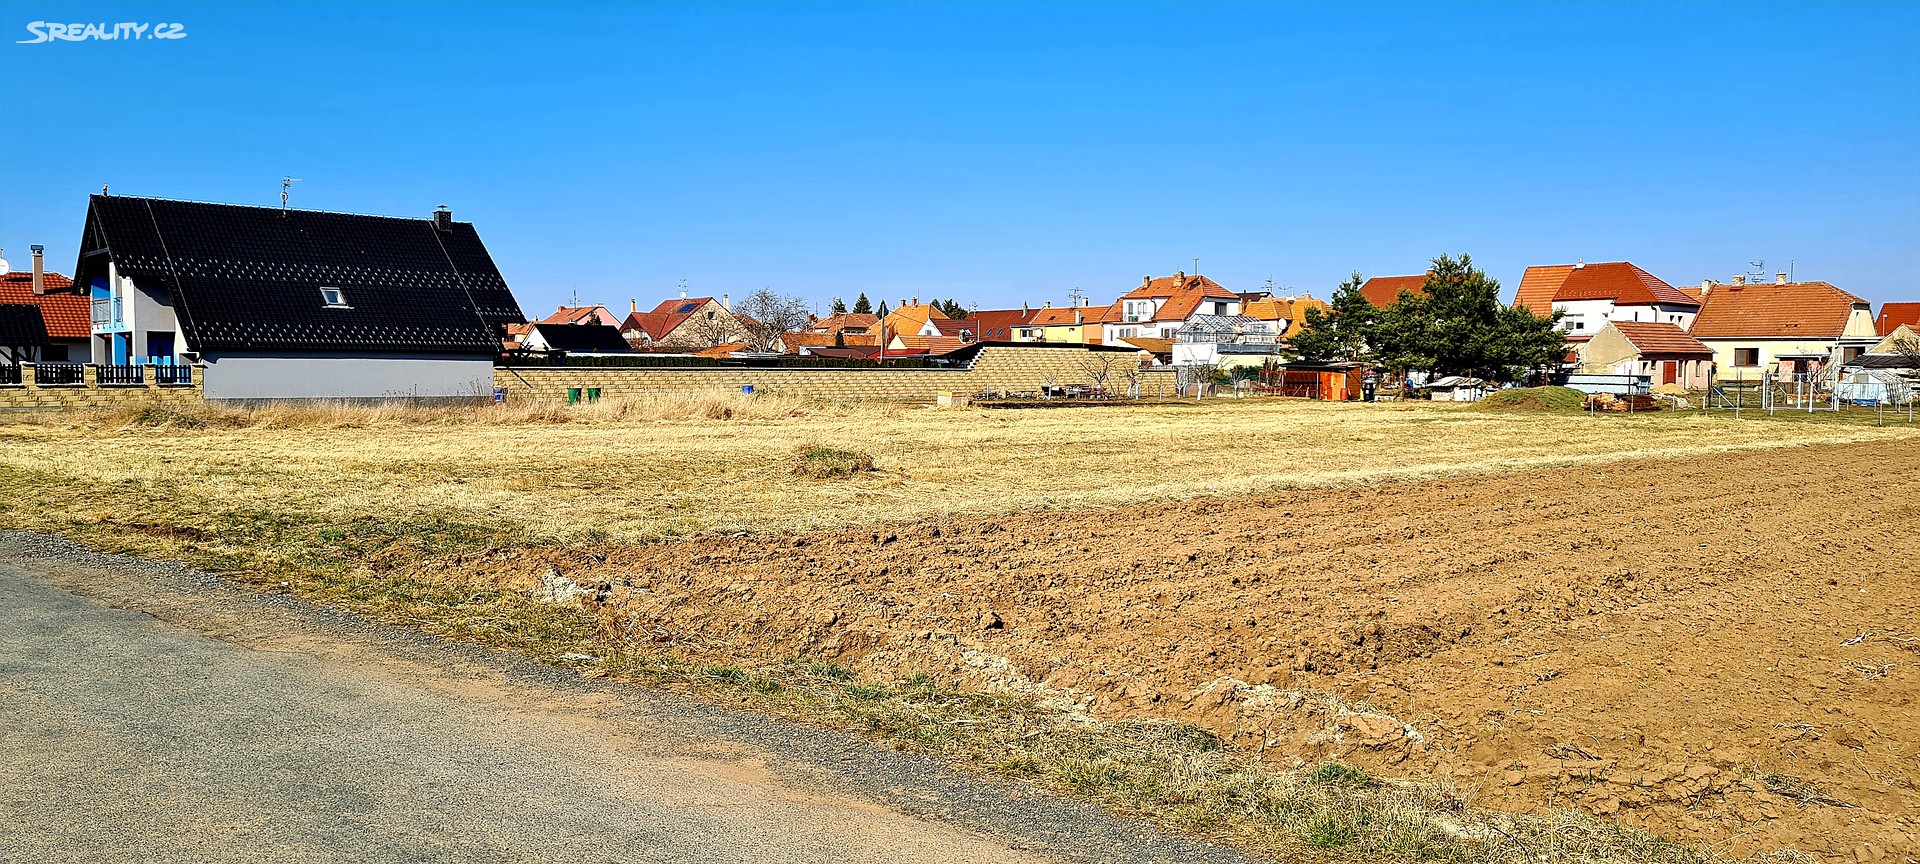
column 995, row 368
column 1593, row 315
column 254, row 377
column 1770, row 351
column 30, row 395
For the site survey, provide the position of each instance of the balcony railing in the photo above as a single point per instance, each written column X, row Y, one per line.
column 107, row 314
column 9, row 375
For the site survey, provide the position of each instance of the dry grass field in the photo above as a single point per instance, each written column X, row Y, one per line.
column 548, row 475
column 704, row 518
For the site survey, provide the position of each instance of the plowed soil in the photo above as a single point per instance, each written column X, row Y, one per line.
column 1722, row 648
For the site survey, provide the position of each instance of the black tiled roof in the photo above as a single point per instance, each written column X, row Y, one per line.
column 583, row 337
column 22, row 326
column 249, row 278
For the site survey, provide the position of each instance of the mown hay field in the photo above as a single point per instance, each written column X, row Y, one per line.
column 547, row 476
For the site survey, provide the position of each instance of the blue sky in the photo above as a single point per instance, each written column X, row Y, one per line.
column 1001, row 152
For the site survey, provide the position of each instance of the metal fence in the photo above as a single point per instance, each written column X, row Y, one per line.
column 173, row 376
column 49, row 374
column 120, row 376
column 9, row 374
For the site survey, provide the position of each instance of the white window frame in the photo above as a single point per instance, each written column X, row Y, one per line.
column 333, row 298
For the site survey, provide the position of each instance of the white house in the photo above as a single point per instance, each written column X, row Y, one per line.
column 1590, row 295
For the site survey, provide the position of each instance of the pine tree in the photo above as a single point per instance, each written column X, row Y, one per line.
column 838, row 307
column 861, row 306
column 839, row 339
column 1340, row 332
column 882, row 311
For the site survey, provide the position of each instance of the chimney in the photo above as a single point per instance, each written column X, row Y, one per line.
column 1579, row 263
column 1706, row 287
column 39, row 268
column 442, row 218
column 1024, row 308
column 726, row 303
column 1179, row 275
column 1076, row 317
column 1779, row 277
column 633, row 304
column 1146, row 280
column 916, row 301
column 1047, row 305
column 1740, row 279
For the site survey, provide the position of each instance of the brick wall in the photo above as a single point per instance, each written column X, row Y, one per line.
column 996, row 368
column 31, row 395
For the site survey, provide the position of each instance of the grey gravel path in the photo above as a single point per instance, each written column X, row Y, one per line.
column 149, row 712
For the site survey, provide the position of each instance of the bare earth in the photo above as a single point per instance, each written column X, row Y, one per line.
column 1722, row 647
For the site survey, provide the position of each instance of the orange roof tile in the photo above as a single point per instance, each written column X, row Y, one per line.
column 1385, row 290
column 1538, row 285
column 1814, row 310
column 1659, row 338
column 68, row 315
column 1063, row 316
column 579, row 315
column 1892, row 315
column 1150, row 344
column 860, row 321
column 997, row 325
column 929, row 344
column 1167, row 286
column 1621, row 282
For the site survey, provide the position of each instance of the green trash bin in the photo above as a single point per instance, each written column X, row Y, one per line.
column 573, row 395
column 593, row 394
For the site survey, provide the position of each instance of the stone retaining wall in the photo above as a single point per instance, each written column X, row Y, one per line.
column 996, row 368
column 30, row 395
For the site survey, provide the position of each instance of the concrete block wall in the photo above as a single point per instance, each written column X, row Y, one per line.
column 995, row 368
column 31, row 395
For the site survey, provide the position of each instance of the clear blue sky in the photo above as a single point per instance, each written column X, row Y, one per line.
column 1000, row 152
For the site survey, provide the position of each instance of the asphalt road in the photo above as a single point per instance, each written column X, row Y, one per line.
column 152, row 713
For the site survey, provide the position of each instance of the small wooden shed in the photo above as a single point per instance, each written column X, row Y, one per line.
column 1336, row 382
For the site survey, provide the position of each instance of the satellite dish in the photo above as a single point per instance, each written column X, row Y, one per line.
column 4, row 269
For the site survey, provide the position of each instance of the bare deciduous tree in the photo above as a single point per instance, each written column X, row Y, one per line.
column 1198, row 377
column 1099, row 366
column 773, row 315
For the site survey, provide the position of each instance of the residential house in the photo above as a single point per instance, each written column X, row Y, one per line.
column 64, row 309
column 1782, row 327
column 1903, row 336
column 1284, row 315
column 1590, row 295
column 1074, row 325
column 684, row 324
column 847, row 325
column 581, row 315
column 576, row 339
column 913, row 318
column 295, row 304
column 1225, row 341
column 1660, row 350
column 1384, row 291
column 1001, row 325
column 1160, row 307
column 1895, row 315
column 23, row 335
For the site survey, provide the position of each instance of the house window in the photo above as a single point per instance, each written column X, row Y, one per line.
column 1746, row 356
column 333, row 298
column 1850, row 354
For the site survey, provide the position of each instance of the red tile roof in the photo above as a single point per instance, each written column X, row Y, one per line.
column 997, row 325
column 1621, row 282
column 1385, row 290
column 856, row 321
column 579, row 315
column 1063, row 316
column 1814, row 310
column 1539, row 285
column 68, row 315
column 1660, row 338
column 1892, row 315
column 1167, row 286
column 656, row 325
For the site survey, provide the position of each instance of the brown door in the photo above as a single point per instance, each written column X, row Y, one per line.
column 1669, row 371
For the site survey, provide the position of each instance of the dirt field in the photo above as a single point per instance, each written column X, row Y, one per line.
column 1694, row 624
column 1721, row 648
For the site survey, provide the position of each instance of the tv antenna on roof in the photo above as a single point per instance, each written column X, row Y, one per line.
column 286, row 186
column 1076, row 295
